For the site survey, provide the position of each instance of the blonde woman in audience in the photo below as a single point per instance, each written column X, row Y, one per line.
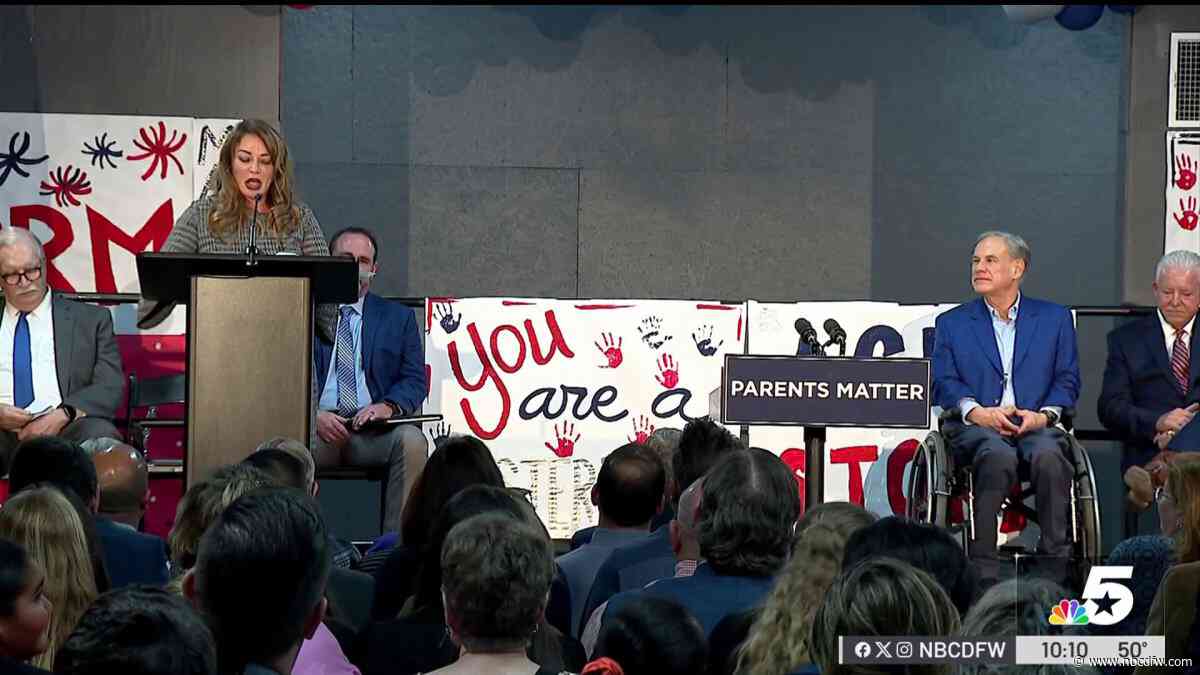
column 880, row 596
column 199, row 508
column 778, row 639
column 1173, row 611
column 43, row 521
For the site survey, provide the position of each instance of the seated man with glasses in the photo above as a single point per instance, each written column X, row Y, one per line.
column 60, row 371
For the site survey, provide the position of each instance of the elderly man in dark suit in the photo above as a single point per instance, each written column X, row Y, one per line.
column 60, row 370
column 1151, row 384
column 374, row 369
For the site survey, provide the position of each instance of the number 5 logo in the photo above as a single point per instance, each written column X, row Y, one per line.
column 1108, row 601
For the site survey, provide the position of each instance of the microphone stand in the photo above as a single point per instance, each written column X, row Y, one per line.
column 252, row 249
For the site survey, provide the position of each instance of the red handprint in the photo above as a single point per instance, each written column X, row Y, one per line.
column 668, row 371
column 641, row 429
column 611, row 350
column 1187, row 173
column 565, row 443
column 1188, row 219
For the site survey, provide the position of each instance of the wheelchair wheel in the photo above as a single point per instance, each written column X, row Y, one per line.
column 1085, row 508
column 928, row 482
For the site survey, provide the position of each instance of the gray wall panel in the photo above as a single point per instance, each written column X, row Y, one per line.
column 770, row 236
column 493, row 231
column 215, row 61
column 317, row 91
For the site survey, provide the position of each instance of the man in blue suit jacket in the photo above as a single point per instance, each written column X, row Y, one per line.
column 375, row 370
column 1009, row 364
column 1151, row 388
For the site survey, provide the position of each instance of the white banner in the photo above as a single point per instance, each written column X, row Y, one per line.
column 1183, row 163
column 99, row 189
column 552, row 386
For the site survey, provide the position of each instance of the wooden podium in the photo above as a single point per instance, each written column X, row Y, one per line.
column 249, row 344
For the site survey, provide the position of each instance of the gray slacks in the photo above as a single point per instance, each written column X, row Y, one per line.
column 403, row 448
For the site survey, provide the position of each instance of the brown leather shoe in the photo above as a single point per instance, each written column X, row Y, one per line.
column 1141, row 488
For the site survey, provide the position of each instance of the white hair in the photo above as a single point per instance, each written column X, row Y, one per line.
column 1017, row 248
column 1188, row 261
column 12, row 236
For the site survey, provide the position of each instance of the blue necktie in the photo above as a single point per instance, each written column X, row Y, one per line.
column 22, row 364
column 344, row 365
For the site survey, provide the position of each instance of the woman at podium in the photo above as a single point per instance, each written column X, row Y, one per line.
column 250, row 188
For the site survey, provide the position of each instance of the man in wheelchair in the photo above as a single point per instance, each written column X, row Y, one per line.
column 1008, row 363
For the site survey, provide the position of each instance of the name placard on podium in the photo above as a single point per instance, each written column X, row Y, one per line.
column 827, row 392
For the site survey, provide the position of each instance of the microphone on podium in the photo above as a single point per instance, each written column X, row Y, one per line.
column 808, row 336
column 837, row 335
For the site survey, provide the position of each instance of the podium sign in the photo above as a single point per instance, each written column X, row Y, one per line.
column 822, row 391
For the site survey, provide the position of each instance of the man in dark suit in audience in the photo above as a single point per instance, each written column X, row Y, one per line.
column 374, row 370
column 130, row 556
column 1151, row 388
column 702, row 444
column 259, row 580
column 628, row 492
column 748, row 510
column 60, row 370
column 123, row 479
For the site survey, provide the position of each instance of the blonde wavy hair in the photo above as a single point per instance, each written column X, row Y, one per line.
column 229, row 206
column 778, row 640
column 1183, row 483
column 43, row 521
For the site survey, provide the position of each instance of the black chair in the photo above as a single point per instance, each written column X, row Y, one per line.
column 936, row 486
column 152, row 393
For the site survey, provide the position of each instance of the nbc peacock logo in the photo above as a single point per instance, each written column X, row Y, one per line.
column 1068, row 613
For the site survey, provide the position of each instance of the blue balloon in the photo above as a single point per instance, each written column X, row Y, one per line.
column 1079, row 17
column 1123, row 9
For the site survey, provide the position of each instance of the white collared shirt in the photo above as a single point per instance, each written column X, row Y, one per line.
column 1169, row 333
column 41, row 350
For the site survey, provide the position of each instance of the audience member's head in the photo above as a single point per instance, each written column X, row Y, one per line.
column 650, row 636
column 926, row 547
column 52, row 459
column 1179, row 507
column 1017, row 607
column 496, row 574
column 778, row 641
column 300, row 452
column 43, row 521
column 1150, row 555
column 845, row 517
column 201, row 505
column 701, row 445
column 880, row 596
column 138, row 630
column 25, row 609
column 470, row 502
column 747, row 513
column 260, row 578
column 665, row 443
column 685, row 535
column 123, row 479
column 282, row 466
column 629, row 489
column 460, row 462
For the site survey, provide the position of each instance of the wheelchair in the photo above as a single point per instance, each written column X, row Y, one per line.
column 942, row 494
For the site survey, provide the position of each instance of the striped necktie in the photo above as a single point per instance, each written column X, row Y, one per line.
column 1180, row 360
column 347, row 385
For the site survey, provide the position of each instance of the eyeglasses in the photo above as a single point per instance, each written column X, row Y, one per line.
column 31, row 274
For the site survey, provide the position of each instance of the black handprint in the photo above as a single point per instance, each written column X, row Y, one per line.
column 703, row 340
column 444, row 313
column 439, row 434
column 651, row 332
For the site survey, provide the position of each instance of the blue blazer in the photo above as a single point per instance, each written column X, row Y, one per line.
column 1139, row 386
column 131, row 557
column 966, row 360
column 392, row 354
